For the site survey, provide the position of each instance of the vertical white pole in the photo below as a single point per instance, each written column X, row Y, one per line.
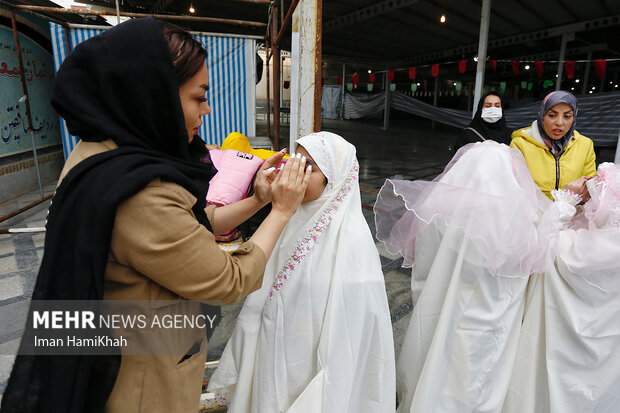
column 344, row 68
column 386, row 110
column 617, row 160
column 435, row 97
column 485, row 18
column 305, row 79
column 558, row 80
column 586, row 77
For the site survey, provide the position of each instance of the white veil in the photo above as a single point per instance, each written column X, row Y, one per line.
column 317, row 336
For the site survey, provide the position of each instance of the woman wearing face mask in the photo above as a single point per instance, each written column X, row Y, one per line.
column 488, row 123
column 557, row 156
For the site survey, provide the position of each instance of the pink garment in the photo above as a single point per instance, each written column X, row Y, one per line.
column 235, row 174
column 487, row 192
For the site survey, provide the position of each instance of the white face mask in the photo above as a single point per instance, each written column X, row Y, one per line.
column 491, row 114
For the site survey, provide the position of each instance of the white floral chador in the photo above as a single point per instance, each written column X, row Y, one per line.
column 317, row 337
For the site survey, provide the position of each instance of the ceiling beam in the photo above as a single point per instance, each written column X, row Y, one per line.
column 425, row 19
column 568, row 10
column 604, row 6
column 159, row 6
column 452, row 12
column 534, row 13
column 344, row 47
column 495, row 13
column 599, row 23
column 365, row 14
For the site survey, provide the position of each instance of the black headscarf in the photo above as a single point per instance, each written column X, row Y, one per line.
column 495, row 131
column 120, row 85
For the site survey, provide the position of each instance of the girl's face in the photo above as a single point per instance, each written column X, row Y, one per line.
column 318, row 181
column 194, row 101
column 558, row 120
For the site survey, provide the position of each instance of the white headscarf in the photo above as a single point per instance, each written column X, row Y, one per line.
column 317, row 336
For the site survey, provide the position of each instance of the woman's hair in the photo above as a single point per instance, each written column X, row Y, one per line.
column 188, row 55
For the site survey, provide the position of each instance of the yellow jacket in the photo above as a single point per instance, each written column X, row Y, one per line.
column 576, row 160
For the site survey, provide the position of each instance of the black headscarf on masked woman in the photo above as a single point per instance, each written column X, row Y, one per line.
column 496, row 131
column 120, row 85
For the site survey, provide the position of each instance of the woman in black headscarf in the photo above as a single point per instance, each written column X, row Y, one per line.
column 128, row 220
column 488, row 123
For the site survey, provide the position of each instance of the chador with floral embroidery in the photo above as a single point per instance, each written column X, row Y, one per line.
column 317, row 336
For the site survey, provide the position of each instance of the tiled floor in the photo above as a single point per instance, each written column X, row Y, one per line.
column 20, row 256
column 410, row 149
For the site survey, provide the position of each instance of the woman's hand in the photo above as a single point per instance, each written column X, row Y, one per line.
column 578, row 186
column 289, row 186
column 265, row 177
column 287, row 191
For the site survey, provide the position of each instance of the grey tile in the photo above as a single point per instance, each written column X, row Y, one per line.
column 6, row 245
column 28, row 259
column 11, row 287
column 8, row 264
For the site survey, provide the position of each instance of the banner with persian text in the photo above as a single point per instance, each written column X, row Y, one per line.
column 39, row 73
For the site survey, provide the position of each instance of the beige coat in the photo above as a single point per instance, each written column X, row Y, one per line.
column 159, row 251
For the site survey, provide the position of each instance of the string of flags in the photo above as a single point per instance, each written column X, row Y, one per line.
column 600, row 66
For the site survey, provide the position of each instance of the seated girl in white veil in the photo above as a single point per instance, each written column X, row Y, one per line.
column 317, row 336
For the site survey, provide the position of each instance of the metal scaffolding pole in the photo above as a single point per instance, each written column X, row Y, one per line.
column 566, row 37
column 125, row 14
column 344, row 72
column 435, row 97
column 485, row 18
column 586, row 77
column 275, row 54
column 318, row 64
column 268, row 92
column 386, row 110
column 27, row 100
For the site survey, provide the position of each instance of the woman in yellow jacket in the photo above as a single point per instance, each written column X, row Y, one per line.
column 556, row 154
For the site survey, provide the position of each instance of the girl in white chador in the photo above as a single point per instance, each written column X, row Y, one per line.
column 317, row 336
column 516, row 302
column 471, row 236
column 568, row 357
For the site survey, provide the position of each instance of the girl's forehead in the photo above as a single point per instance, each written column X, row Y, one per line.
column 304, row 150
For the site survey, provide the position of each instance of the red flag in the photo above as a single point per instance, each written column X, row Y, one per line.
column 539, row 68
column 515, row 67
column 462, row 66
column 412, row 73
column 390, row 75
column 435, row 69
column 494, row 64
column 339, row 80
column 355, row 79
column 287, row 83
column 600, row 65
column 569, row 65
column 371, row 77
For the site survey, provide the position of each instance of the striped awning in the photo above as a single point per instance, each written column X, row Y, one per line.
column 232, row 87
